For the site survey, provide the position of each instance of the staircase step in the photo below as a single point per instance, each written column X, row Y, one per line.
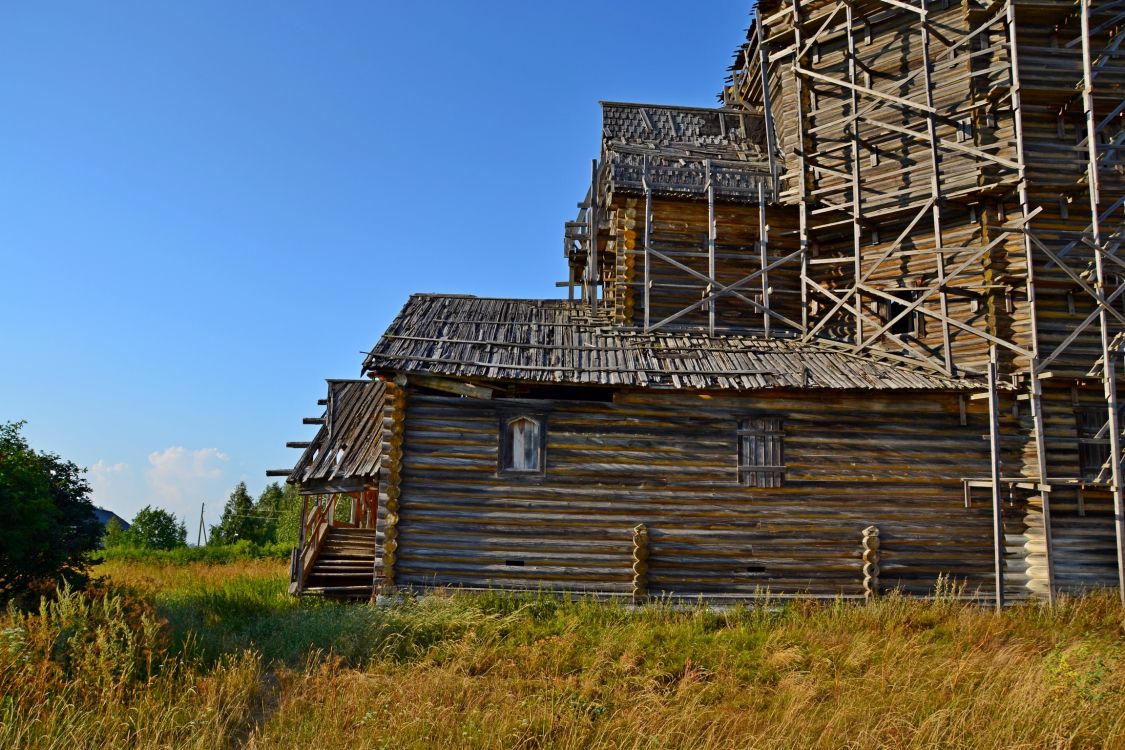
column 345, row 592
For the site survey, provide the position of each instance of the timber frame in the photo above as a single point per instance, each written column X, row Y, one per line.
column 917, row 194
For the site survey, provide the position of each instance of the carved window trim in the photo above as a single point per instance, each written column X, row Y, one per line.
column 507, row 459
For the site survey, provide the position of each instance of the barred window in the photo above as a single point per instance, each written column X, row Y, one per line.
column 1093, row 451
column 761, row 454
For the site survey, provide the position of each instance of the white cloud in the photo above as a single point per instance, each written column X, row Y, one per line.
column 179, row 478
column 106, row 481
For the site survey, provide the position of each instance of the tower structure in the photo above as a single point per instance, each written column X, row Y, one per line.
column 936, row 184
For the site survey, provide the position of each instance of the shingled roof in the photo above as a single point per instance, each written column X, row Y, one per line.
column 675, row 148
column 555, row 341
column 345, row 455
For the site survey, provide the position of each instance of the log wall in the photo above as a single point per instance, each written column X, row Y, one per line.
column 668, row 461
column 679, row 230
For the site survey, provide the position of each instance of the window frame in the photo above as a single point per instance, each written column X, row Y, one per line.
column 504, row 446
column 1087, row 443
column 909, row 325
column 760, row 476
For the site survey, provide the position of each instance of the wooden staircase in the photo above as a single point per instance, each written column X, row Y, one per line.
column 334, row 559
column 345, row 567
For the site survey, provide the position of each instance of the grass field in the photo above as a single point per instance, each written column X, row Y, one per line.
column 213, row 656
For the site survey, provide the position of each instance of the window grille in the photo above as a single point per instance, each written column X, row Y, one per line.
column 1093, row 451
column 761, row 452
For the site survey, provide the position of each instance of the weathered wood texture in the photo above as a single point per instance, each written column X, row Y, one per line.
column 345, row 454
column 670, row 462
column 556, row 342
column 679, row 232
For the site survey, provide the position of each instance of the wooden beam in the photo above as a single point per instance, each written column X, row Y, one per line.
column 998, row 543
column 447, row 385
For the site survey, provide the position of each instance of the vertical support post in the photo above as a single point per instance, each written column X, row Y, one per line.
column 1115, row 466
column 647, row 243
column 1035, row 385
column 763, row 255
column 994, row 450
column 802, row 171
column 935, row 188
column 1108, row 374
column 870, row 562
column 299, row 572
column 771, row 144
column 640, row 563
column 853, row 131
column 592, row 218
column 712, row 232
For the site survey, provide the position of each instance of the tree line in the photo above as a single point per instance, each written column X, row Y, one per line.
column 272, row 518
column 50, row 533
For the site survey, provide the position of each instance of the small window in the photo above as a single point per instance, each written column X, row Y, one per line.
column 890, row 309
column 761, row 455
column 1093, row 451
column 964, row 130
column 521, row 445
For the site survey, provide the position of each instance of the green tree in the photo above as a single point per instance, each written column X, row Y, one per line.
column 49, row 525
column 288, row 522
column 116, row 535
column 268, row 508
column 156, row 528
column 239, row 521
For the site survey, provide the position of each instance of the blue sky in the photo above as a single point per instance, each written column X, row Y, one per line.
column 207, row 208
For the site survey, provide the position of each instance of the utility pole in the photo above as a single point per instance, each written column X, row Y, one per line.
column 201, row 534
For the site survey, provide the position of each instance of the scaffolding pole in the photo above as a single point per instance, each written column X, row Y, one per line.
column 1108, row 375
column 763, row 232
column 935, row 184
column 712, row 233
column 592, row 218
column 647, row 240
column 998, row 543
column 1035, row 385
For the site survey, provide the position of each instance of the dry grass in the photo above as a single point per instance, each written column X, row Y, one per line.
column 218, row 656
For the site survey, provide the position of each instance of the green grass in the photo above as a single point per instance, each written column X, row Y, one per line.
column 219, row 656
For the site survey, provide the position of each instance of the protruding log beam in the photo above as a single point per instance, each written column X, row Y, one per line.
column 870, row 562
column 447, row 385
column 640, row 563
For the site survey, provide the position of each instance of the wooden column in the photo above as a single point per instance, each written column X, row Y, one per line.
column 935, row 186
column 647, row 242
column 997, row 509
column 640, row 563
column 712, row 234
column 870, row 562
column 763, row 255
column 396, row 405
column 593, row 238
column 1108, row 375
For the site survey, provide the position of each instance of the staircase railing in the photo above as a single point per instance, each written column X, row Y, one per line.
column 314, row 529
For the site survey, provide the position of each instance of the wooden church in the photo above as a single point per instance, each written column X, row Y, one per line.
column 854, row 329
